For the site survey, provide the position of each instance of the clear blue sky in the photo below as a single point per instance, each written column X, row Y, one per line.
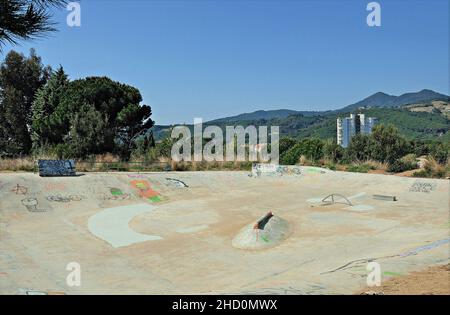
column 212, row 59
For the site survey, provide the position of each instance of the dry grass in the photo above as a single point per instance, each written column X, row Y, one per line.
column 432, row 168
column 18, row 164
column 367, row 166
column 210, row 166
column 303, row 160
column 109, row 162
column 376, row 165
column 107, row 158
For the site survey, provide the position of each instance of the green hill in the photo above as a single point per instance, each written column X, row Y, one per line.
column 419, row 115
column 413, row 125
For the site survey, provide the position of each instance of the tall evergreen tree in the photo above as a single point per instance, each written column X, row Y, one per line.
column 45, row 124
column 20, row 78
column 90, row 116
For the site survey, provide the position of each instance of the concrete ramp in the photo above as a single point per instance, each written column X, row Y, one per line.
column 268, row 231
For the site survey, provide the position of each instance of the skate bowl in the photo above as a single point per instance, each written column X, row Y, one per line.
column 140, row 233
column 268, row 231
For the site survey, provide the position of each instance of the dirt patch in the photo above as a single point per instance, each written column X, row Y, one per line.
column 408, row 173
column 378, row 172
column 431, row 281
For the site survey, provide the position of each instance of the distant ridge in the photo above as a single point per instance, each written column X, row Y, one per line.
column 378, row 99
column 381, row 99
column 266, row 114
column 419, row 115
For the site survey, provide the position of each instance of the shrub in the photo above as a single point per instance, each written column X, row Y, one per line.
column 388, row 145
column 360, row 148
column 310, row 148
column 360, row 168
column 433, row 169
column 406, row 163
column 285, row 144
column 439, row 152
column 332, row 151
column 291, row 156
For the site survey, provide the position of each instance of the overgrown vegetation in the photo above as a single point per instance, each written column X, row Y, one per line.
column 43, row 112
column 103, row 125
column 385, row 149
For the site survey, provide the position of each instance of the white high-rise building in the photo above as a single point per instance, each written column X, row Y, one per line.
column 347, row 127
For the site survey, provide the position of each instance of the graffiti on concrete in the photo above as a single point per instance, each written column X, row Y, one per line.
column 176, row 183
column 314, row 170
column 415, row 251
column 419, row 249
column 420, row 186
column 275, row 170
column 145, row 190
column 54, row 186
column 20, row 190
column 116, row 194
column 61, row 198
column 56, row 168
column 135, row 176
column 32, row 205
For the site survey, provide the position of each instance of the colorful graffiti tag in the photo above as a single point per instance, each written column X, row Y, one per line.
column 135, row 176
column 145, row 190
column 275, row 170
column 117, row 194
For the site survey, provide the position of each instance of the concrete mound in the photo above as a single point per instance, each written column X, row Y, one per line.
column 268, row 231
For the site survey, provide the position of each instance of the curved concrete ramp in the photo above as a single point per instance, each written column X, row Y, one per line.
column 274, row 232
column 112, row 226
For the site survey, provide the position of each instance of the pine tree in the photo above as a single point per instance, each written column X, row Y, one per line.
column 20, row 78
column 25, row 19
column 46, row 126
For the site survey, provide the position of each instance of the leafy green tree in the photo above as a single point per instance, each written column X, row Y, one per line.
column 311, row 148
column 291, row 156
column 440, row 151
column 45, row 126
column 132, row 121
column 388, row 145
column 285, row 144
column 420, row 147
column 92, row 115
column 360, row 148
column 86, row 134
column 164, row 147
column 143, row 144
column 25, row 19
column 406, row 163
column 332, row 151
column 20, row 78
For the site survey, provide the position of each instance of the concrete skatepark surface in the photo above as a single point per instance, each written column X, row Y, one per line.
column 142, row 234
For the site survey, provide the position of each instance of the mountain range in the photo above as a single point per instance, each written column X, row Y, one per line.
column 381, row 99
column 378, row 99
column 418, row 115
